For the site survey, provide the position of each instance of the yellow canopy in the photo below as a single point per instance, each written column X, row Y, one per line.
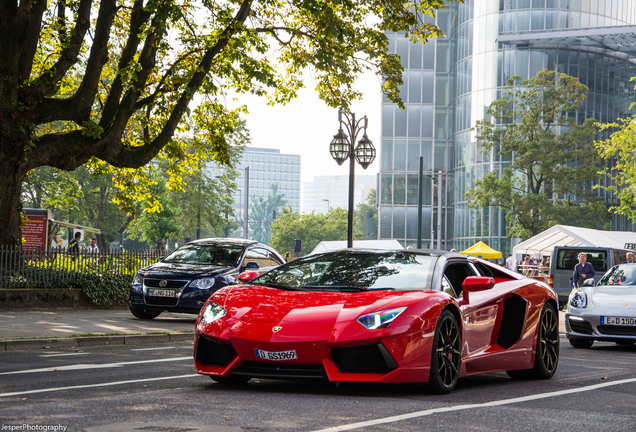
column 482, row 250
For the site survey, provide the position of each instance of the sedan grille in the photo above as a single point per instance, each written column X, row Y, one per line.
column 161, row 301
column 580, row 326
column 170, row 283
column 212, row 353
column 363, row 359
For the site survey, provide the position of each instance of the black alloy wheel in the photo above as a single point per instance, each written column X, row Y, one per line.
column 546, row 357
column 446, row 354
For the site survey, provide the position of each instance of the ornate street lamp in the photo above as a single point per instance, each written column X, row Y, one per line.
column 342, row 148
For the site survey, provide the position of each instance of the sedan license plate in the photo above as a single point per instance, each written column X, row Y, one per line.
column 618, row 321
column 276, row 356
column 161, row 293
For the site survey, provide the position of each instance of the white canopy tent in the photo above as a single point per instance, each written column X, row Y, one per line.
column 325, row 246
column 563, row 235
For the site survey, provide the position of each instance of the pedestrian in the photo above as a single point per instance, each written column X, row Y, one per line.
column 93, row 249
column 511, row 263
column 73, row 246
column 583, row 270
column 287, row 256
column 630, row 257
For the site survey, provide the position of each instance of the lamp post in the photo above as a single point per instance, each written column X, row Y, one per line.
column 342, row 148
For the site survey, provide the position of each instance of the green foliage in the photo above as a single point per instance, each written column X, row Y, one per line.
column 263, row 211
column 619, row 151
column 105, row 291
column 550, row 156
column 310, row 228
column 366, row 215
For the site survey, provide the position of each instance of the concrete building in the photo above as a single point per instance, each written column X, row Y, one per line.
column 268, row 167
column 449, row 83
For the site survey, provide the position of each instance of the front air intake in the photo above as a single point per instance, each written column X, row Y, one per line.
column 363, row 359
column 212, row 353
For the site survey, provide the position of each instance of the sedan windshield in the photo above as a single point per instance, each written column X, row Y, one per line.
column 624, row 274
column 218, row 255
column 353, row 271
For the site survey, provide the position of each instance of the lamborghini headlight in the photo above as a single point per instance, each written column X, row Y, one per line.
column 212, row 312
column 381, row 319
column 202, row 283
column 578, row 299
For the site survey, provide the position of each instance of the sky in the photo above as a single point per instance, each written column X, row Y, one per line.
column 307, row 125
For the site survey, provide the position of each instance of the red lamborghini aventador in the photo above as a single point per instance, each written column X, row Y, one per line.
column 379, row 316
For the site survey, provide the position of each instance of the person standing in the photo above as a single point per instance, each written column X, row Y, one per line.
column 93, row 249
column 73, row 246
column 583, row 270
column 511, row 263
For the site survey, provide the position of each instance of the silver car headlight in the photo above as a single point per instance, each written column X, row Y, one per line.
column 212, row 312
column 578, row 299
column 380, row 319
column 202, row 283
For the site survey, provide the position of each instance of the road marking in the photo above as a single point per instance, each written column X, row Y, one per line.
column 152, row 349
column 501, row 402
column 94, row 366
column 108, row 384
column 62, row 355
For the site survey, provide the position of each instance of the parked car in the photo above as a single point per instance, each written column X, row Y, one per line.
column 564, row 258
column 183, row 281
column 605, row 311
column 379, row 316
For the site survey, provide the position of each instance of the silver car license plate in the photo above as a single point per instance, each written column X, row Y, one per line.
column 618, row 321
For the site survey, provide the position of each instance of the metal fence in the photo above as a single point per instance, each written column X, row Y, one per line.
column 36, row 268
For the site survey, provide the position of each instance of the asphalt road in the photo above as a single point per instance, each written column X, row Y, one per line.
column 154, row 387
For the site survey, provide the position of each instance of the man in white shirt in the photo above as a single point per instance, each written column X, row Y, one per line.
column 511, row 263
column 93, row 249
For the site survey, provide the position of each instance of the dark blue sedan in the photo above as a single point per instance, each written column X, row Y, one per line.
column 183, row 281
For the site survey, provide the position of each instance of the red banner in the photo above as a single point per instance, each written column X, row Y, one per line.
column 34, row 232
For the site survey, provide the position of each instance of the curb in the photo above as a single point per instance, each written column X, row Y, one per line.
column 87, row 341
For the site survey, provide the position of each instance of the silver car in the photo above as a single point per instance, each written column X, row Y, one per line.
column 605, row 311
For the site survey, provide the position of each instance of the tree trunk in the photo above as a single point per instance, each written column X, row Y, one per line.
column 11, row 178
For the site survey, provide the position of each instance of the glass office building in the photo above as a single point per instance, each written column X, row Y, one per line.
column 450, row 82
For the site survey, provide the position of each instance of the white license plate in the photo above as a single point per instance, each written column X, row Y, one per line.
column 619, row 321
column 161, row 293
column 276, row 356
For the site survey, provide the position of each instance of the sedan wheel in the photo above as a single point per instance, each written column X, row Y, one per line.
column 446, row 355
column 142, row 313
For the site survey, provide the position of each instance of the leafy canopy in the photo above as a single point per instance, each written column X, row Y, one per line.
column 112, row 81
column 551, row 157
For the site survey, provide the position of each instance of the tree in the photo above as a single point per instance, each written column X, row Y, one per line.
column 366, row 217
column 111, row 81
column 310, row 228
column 263, row 211
column 619, row 150
column 550, row 155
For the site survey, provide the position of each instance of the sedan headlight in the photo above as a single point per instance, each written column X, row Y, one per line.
column 212, row 312
column 381, row 319
column 137, row 279
column 578, row 299
column 202, row 283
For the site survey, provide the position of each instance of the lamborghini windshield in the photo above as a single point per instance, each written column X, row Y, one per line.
column 353, row 271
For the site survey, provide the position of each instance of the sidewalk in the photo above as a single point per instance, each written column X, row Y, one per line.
column 74, row 328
